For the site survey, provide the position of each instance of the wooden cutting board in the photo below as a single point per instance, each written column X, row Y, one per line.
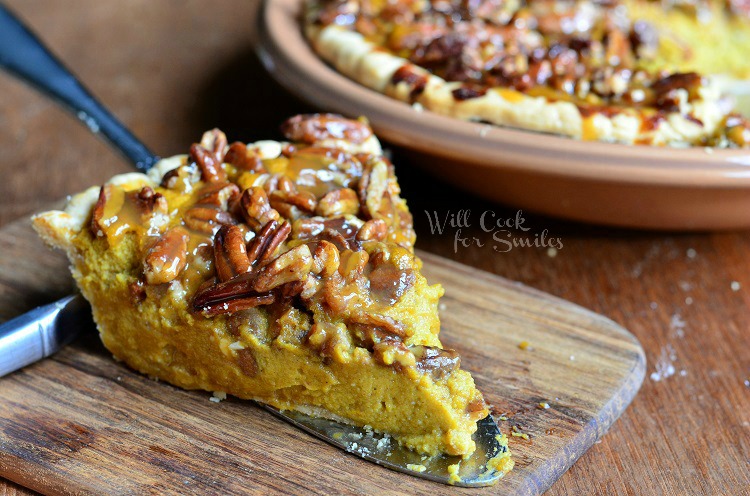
column 82, row 423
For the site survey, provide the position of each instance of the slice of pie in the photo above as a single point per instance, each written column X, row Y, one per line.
column 279, row 272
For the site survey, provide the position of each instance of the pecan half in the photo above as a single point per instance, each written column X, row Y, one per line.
column 256, row 208
column 230, row 253
column 279, row 182
column 436, row 361
column 339, row 202
column 388, row 283
column 230, row 296
column 97, row 216
column 215, row 141
column 181, row 178
column 167, row 257
column 372, row 186
column 325, row 259
column 416, row 82
column 384, row 325
column 311, row 128
column 348, row 167
column 207, row 219
column 340, row 231
column 212, row 308
column 149, row 202
column 352, row 264
column 219, row 194
column 210, row 168
column 372, row 230
column 283, row 201
column 267, row 241
column 292, row 266
column 243, row 158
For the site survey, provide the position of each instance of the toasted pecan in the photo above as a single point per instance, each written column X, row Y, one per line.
column 230, row 253
column 167, row 257
column 313, row 128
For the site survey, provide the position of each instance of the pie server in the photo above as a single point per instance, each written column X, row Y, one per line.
column 43, row 331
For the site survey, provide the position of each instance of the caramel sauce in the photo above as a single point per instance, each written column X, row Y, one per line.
column 320, row 170
column 121, row 215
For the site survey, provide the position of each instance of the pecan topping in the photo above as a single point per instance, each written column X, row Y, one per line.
column 468, row 92
column 285, row 202
column 291, row 266
column 325, row 259
column 436, row 361
column 167, row 257
column 384, row 325
column 181, row 178
column 262, row 274
column 243, row 158
column 211, row 305
column 96, row 227
column 372, row 187
column 256, row 208
column 279, row 182
column 406, row 74
column 150, row 202
column 340, row 231
column 665, row 89
column 215, row 141
column 207, row 219
column 372, row 230
column 352, row 264
column 219, row 194
column 337, row 203
column 312, row 128
column 388, row 283
column 268, row 240
column 348, row 167
column 209, row 166
column 230, row 253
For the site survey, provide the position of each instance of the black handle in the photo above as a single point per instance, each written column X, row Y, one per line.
column 23, row 55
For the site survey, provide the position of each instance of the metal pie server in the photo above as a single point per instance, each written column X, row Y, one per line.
column 43, row 331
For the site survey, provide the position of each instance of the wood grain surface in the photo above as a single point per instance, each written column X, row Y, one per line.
column 172, row 69
column 82, row 423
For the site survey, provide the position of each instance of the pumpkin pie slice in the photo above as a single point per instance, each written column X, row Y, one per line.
column 282, row 272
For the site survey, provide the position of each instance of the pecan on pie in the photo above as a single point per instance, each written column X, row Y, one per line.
column 628, row 71
column 282, row 272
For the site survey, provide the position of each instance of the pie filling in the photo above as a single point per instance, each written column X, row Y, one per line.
column 280, row 272
column 615, row 70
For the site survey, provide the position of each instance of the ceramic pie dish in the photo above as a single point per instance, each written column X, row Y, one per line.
column 621, row 185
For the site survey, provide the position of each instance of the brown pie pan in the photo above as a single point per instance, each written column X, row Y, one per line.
column 611, row 184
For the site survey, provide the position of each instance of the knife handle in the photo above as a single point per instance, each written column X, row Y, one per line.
column 24, row 55
column 39, row 333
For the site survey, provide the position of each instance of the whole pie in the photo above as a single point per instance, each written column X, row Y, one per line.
column 629, row 71
column 282, row 272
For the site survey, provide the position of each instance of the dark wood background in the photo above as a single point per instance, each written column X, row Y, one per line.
column 171, row 69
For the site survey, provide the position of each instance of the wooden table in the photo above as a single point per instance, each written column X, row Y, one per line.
column 172, row 69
